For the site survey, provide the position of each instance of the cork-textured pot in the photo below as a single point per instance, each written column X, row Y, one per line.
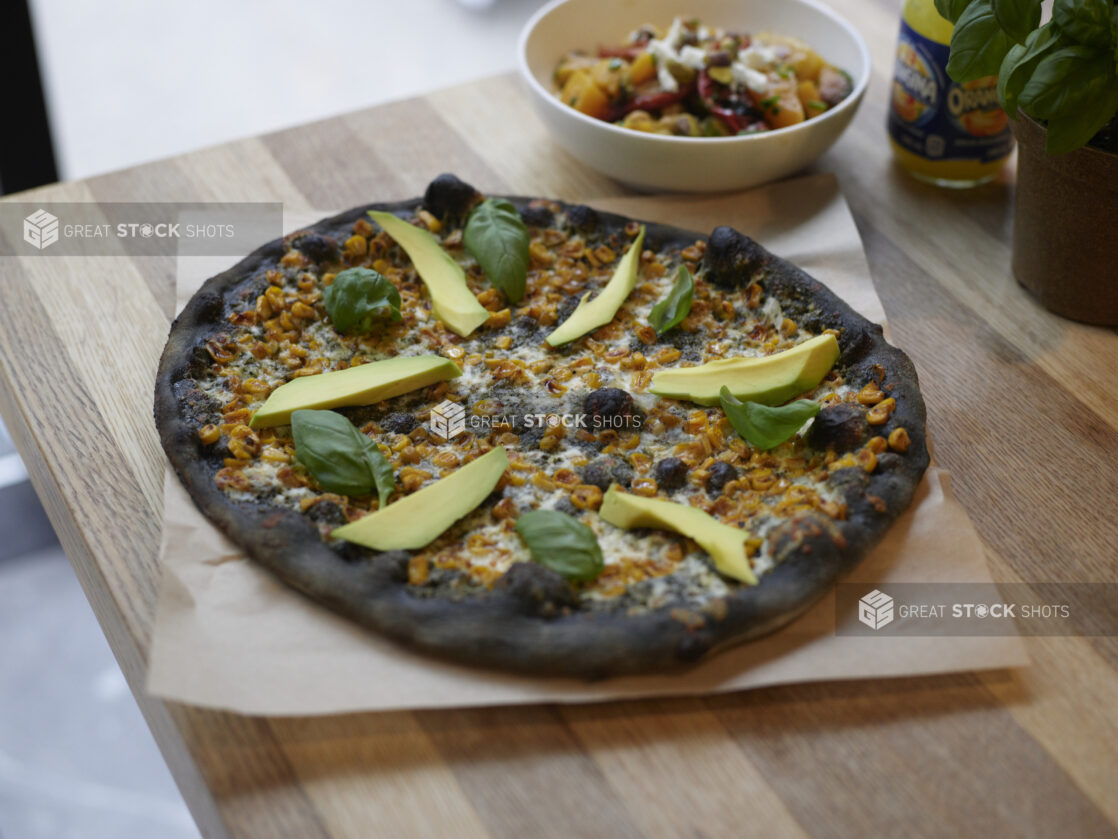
column 1065, row 228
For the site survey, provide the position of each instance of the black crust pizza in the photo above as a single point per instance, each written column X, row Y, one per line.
column 580, row 424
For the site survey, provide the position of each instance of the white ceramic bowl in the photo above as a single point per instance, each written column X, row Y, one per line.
column 688, row 164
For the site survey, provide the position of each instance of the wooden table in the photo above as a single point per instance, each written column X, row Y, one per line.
column 1022, row 405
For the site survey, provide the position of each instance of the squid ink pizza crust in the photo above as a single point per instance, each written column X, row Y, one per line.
column 528, row 435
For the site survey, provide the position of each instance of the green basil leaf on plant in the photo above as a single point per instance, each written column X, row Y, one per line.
column 1085, row 21
column 1007, row 88
column 1021, row 61
column 561, row 543
column 670, row 312
column 764, row 427
column 341, row 458
column 1114, row 36
column 1017, row 17
column 360, row 300
column 1066, row 80
column 951, row 9
column 498, row 239
column 1072, row 130
column 978, row 44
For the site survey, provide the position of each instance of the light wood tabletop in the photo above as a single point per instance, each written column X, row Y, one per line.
column 1022, row 405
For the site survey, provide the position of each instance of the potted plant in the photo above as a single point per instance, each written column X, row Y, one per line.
column 1059, row 84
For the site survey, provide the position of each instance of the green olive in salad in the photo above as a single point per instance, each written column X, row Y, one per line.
column 698, row 81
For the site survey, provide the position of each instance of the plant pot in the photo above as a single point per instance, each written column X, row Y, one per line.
column 1065, row 227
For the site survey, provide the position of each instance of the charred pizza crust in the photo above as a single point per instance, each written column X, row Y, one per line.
column 529, row 620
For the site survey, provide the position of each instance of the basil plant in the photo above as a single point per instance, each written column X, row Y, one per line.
column 1064, row 73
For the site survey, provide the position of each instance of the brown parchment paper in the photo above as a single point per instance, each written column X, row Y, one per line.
column 229, row 635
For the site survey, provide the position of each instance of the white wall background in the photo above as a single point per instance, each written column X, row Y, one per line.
column 129, row 81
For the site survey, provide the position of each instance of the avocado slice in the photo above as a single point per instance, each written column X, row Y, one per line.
column 451, row 299
column 361, row 385
column 600, row 311
column 418, row 519
column 769, row 379
column 725, row 544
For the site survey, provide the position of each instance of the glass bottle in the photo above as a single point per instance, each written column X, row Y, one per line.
column 948, row 134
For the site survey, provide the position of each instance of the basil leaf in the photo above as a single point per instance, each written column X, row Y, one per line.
column 978, row 44
column 1085, row 21
column 562, row 543
column 1070, row 131
column 762, row 426
column 1009, row 85
column 360, row 298
column 1068, row 79
column 341, row 458
column 1021, row 61
column 670, row 312
column 951, row 9
column 1017, row 17
column 384, row 476
column 1114, row 36
column 498, row 239
column 1074, row 88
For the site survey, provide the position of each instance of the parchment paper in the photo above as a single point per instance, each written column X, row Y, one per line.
column 229, row 635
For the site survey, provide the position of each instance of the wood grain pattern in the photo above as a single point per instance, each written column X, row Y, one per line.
column 1023, row 408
